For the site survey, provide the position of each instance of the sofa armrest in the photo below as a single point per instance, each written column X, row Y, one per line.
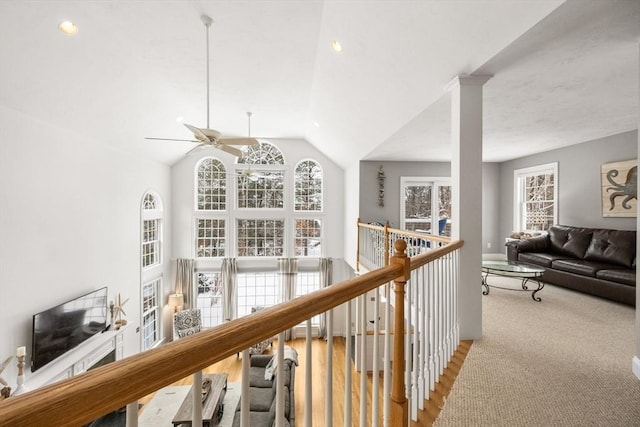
column 260, row 360
column 532, row 244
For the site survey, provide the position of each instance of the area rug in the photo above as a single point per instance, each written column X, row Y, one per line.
column 564, row 361
column 159, row 412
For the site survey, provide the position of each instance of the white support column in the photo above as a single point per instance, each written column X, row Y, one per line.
column 466, row 174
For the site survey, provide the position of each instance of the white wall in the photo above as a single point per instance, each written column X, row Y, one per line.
column 578, row 182
column 352, row 196
column 69, row 224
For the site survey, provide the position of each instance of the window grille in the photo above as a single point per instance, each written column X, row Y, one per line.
column 308, row 186
column 211, row 185
column 210, row 240
column 150, row 313
column 260, row 237
column 308, row 240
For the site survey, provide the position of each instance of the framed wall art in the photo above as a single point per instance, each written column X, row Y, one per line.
column 619, row 188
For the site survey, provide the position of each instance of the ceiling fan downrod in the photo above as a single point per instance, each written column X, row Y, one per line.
column 207, row 21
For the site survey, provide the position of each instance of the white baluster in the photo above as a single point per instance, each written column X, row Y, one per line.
column 132, row 414
column 432, row 329
column 196, row 415
column 375, row 381
column 245, row 403
column 424, row 321
column 347, row 367
column 363, row 359
column 280, row 382
column 308, row 398
column 386, row 386
column 328, row 403
column 416, row 346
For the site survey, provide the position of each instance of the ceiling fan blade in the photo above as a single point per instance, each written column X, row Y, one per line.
column 172, row 139
column 198, row 133
column 239, row 141
column 230, row 150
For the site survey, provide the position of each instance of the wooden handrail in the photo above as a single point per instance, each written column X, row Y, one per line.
column 87, row 396
column 429, row 256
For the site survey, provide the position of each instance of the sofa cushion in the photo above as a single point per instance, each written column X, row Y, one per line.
column 578, row 266
column 628, row 277
column 256, row 378
column 572, row 241
column 612, row 246
column 260, row 399
column 539, row 258
column 286, row 403
column 256, row 419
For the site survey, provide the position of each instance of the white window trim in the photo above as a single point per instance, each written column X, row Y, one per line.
column 518, row 175
column 406, row 181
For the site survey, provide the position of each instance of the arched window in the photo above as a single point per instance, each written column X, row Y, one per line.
column 308, row 186
column 262, row 154
column 211, row 194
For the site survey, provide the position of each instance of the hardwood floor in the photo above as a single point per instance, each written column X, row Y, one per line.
column 233, row 367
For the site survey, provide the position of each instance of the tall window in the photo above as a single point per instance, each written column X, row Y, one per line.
column 307, row 282
column 535, row 197
column 426, row 205
column 211, row 203
column 209, row 299
column 308, row 186
column 151, row 270
column 260, row 189
column 151, row 313
column 151, row 214
column 257, row 290
column 211, row 185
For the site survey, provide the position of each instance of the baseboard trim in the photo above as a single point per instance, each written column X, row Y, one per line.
column 635, row 366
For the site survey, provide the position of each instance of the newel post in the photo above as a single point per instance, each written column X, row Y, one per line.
column 399, row 408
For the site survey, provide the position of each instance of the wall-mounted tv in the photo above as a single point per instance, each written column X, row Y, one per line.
column 61, row 328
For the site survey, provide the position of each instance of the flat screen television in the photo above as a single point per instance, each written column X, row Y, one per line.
column 63, row 327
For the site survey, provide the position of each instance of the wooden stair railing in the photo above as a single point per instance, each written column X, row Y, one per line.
column 87, row 396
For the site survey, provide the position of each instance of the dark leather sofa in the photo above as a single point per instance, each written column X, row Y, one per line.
column 595, row 261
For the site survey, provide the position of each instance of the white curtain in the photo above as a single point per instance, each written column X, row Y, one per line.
column 184, row 280
column 326, row 268
column 229, row 272
column 287, row 269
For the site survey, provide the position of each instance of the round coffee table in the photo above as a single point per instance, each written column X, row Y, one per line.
column 526, row 272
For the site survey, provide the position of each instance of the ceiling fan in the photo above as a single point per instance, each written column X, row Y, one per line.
column 211, row 137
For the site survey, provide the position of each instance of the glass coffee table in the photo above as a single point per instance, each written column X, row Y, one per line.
column 528, row 273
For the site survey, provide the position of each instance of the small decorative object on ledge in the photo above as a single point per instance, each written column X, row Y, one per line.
column 6, row 390
column 21, row 352
column 381, row 187
column 119, row 311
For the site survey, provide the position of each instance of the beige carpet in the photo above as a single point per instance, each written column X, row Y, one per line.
column 565, row 361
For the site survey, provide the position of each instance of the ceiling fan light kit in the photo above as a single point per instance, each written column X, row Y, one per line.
column 212, row 137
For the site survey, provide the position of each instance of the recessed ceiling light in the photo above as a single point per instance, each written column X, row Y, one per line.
column 316, row 124
column 179, row 119
column 68, row 27
column 337, row 47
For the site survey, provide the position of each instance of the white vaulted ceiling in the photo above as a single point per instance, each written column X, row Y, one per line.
column 564, row 72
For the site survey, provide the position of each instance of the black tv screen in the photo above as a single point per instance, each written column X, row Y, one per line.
column 61, row 328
